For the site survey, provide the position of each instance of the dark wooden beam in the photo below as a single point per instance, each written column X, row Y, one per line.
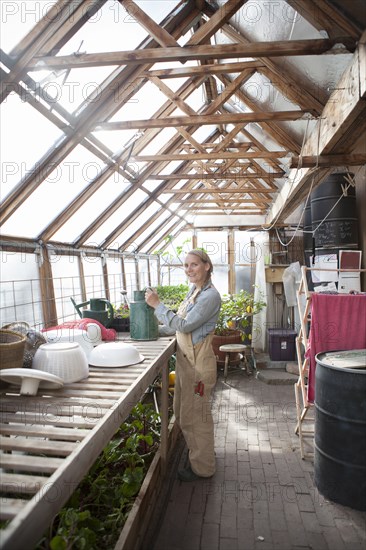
column 222, row 51
column 162, row 37
column 214, row 176
column 199, row 120
column 215, row 190
column 212, row 68
column 326, row 161
column 214, row 156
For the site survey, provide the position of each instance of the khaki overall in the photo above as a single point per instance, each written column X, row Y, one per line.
column 193, row 411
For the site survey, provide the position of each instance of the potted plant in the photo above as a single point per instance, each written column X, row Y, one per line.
column 234, row 325
column 121, row 318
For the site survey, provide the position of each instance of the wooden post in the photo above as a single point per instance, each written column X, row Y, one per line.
column 231, row 261
column 47, row 289
column 164, row 417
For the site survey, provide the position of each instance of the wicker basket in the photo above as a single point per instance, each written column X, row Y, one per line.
column 12, row 345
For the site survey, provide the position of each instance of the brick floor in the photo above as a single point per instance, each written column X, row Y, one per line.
column 262, row 496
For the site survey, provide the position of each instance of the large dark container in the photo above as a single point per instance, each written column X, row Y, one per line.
column 340, row 229
column 308, row 242
column 308, row 237
column 143, row 323
column 281, row 344
column 340, row 427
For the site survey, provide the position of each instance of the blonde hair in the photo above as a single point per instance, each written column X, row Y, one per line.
column 204, row 257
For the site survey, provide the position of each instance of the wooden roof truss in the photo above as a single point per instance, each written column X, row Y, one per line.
column 230, row 171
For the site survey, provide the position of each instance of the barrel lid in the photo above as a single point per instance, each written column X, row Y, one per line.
column 350, row 359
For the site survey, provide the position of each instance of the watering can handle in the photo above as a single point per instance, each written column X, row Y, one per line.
column 78, row 306
column 110, row 309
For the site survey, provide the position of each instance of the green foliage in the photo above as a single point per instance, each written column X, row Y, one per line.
column 237, row 310
column 96, row 512
column 172, row 296
column 121, row 312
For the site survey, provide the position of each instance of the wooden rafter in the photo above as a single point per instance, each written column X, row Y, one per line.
column 213, row 68
column 315, row 46
column 326, row 161
column 161, row 35
column 105, row 107
column 199, row 120
column 249, row 189
column 203, row 156
column 215, row 176
column 215, row 190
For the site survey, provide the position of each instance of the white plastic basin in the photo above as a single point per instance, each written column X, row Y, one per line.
column 115, row 354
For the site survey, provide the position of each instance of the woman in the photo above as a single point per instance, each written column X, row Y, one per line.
column 196, row 369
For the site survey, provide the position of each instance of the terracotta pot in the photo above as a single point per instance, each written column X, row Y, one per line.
column 233, row 337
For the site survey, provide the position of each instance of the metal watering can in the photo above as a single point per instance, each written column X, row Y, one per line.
column 97, row 310
column 143, row 323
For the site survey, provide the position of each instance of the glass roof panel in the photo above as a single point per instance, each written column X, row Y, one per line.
column 151, row 229
column 93, row 207
column 118, row 29
column 72, row 88
column 151, row 185
column 54, row 194
column 157, row 10
column 144, row 103
column 158, row 237
column 115, row 140
column 138, row 223
column 19, row 149
column 159, row 141
column 118, row 217
column 18, row 18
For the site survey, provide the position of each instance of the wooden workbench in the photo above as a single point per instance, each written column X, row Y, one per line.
column 49, row 441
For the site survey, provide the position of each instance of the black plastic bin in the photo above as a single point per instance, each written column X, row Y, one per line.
column 281, row 344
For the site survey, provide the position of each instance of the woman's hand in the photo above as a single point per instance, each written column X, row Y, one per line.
column 152, row 298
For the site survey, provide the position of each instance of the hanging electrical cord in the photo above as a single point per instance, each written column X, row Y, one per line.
column 351, row 183
column 307, row 196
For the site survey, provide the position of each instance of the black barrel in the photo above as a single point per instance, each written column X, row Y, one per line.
column 308, row 237
column 340, row 427
column 340, row 229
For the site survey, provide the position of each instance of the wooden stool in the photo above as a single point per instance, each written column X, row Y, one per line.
column 230, row 348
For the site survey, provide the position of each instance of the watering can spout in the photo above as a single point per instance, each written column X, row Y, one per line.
column 97, row 310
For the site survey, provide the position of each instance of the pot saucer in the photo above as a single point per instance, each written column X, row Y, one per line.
column 30, row 380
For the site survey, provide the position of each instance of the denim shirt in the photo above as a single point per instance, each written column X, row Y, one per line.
column 200, row 319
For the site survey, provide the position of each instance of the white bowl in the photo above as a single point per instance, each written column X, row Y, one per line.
column 70, row 335
column 64, row 359
column 114, row 354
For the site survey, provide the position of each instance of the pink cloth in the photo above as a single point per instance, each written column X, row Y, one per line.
column 338, row 322
column 108, row 334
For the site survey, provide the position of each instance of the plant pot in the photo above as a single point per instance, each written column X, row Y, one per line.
column 232, row 337
column 121, row 324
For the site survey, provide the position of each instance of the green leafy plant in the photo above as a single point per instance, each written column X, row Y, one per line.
column 121, row 312
column 172, row 296
column 236, row 312
column 96, row 512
